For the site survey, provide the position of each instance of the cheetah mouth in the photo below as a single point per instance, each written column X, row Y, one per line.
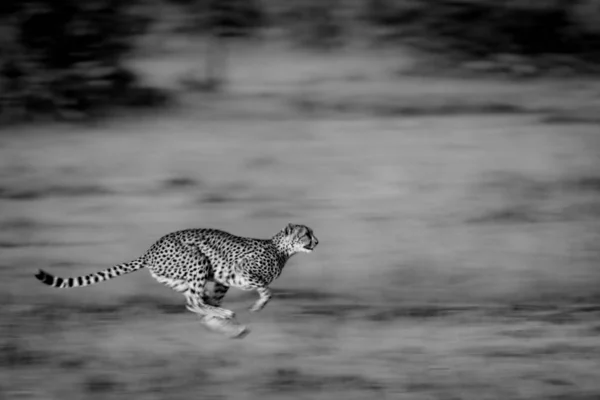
column 309, row 247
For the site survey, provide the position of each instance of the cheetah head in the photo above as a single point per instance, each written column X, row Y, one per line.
column 298, row 239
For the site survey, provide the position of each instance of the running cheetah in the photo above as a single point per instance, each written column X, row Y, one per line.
column 186, row 260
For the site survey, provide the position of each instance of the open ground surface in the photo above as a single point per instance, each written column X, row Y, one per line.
column 459, row 228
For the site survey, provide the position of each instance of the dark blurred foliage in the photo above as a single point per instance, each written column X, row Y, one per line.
column 311, row 23
column 63, row 55
column 58, row 56
column 224, row 18
column 483, row 28
column 472, row 29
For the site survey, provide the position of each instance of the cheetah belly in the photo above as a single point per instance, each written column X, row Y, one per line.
column 179, row 285
column 230, row 278
column 241, row 283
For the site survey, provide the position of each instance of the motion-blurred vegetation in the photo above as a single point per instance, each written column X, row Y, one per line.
column 459, row 219
column 539, row 34
column 58, row 56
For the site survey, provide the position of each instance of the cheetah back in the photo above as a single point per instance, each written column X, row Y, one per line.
column 230, row 259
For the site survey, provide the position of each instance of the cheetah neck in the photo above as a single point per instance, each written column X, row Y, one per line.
column 283, row 246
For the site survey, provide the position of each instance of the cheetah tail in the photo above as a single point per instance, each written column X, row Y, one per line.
column 109, row 273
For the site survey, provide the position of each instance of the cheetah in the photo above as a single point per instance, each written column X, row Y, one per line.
column 186, row 260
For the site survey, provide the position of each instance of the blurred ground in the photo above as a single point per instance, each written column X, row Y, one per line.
column 459, row 223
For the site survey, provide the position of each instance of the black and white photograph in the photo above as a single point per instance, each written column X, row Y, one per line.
column 300, row 199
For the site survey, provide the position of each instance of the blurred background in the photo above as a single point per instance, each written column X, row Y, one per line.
column 446, row 154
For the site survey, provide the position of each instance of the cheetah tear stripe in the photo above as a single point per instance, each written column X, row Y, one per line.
column 80, row 281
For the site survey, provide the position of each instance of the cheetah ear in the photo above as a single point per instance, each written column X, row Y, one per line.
column 289, row 229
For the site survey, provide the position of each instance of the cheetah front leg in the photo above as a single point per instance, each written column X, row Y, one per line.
column 265, row 295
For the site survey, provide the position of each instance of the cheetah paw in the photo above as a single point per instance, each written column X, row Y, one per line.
column 218, row 312
column 226, row 314
column 229, row 328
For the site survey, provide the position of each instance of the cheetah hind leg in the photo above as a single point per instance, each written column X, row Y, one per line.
column 196, row 304
column 215, row 322
column 216, row 298
column 196, row 299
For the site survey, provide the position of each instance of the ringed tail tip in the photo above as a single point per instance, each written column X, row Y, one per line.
column 43, row 277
